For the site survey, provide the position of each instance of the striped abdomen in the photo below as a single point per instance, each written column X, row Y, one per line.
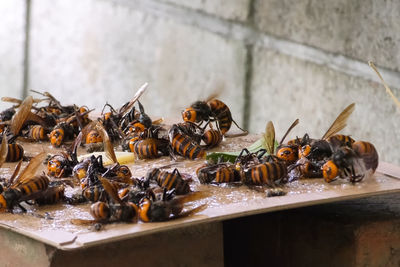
column 37, row 133
column 94, row 193
column 265, row 173
column 146, row 149
column 15, row 153
column 222, row 113
column 51, row 196
column 339, row 140
column 184, row 146
column 212, row 138
column 173, row 180
column 100, row 211
column 33, row 185
column 368, row 153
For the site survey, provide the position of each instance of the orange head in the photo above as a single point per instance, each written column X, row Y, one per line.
column 189, row 114
column 288, row 154
column 56, row 137
column 330, row 171
column 123, row 172
column 54, row 167
column 93, row 137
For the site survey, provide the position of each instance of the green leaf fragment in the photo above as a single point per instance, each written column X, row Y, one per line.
column 215, row 157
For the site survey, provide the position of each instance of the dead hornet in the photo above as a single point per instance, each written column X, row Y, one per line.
column 185, row 141
column 66, row 130
column 62, row 165
column 136, row 122
column 135, row 193
column 92, row 136
column 313, row 153
column 212, row 137
column 113, row 121
column 210, row 110
column 149, row 145
column 28, row 114
column 117, row 174
column 113, row 211
column 27, row 186
column 169, row 180
column 269, row 170
column 167, row 206
column 353, row 163
column 54, row 193
column 322, row 148
column 218, row 173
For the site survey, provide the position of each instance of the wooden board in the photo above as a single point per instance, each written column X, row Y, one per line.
column 224, row 203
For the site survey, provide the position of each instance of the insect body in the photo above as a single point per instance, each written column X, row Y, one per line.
column 27, row 186
column 15, row 152
column 60, row 165
column 222, row 114
column 184, row 145
column 103, row 212
column 161, row 208
column 149, row 148
column 264, row 173
column 210, row 110
column 367, row 152
column 339, row 140
column 212, row 137
column 169, row 180
column 352, row 163
column 51, row 195
column 62, row 131
column 37, row 133
column 218, row 173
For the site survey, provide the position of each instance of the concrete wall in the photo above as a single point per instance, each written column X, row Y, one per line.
column 12, row 44
column 270, row 59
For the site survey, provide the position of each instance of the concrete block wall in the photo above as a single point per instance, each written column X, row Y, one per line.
column 12, row 47
column 269, row 59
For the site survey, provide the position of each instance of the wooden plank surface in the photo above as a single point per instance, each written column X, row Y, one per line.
column 224, row 203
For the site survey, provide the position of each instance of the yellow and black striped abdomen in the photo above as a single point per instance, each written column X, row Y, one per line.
column 368, row 153
column 15, row 153
column 265, row 173
column 339, row 140
column 34, row 185
column 146, row 149
column 226, row 175
column 100, row 211
column 212, row 137
column 173, row 180
column 51, row 196
column 93, row 193
column 222, row 113
column 185, row 147
column 37, row 133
